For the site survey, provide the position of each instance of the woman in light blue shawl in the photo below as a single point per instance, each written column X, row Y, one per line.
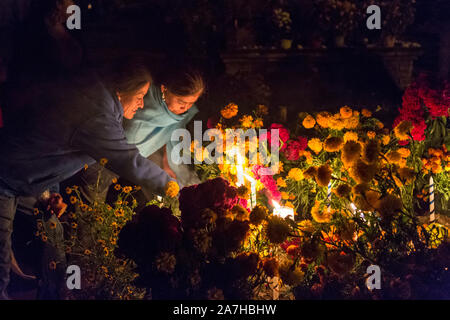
column 168, row 105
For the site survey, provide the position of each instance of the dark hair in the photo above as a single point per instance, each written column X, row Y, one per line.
column 129, row 75
column 183, row 80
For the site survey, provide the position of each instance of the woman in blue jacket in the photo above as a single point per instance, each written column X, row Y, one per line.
column 169, row 105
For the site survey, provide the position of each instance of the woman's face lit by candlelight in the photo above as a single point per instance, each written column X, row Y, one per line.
column 179, row 104
column 131, row 102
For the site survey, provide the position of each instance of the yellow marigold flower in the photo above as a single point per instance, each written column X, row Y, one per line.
column 402, row 129
column 84, row 207
column 309, row 122
column 380, row 124
column 277, row 229
column 68, row 190
column 114, row 180
column 284, row 195
column 333, row 144
column 407, row 174
column 246, row 121
column 371, row 134
column 351, row 123
column 172, row 189
column 262, row 109
column 36, row 211
column 385, row 139
column 119, row 202
column 366, row 113
column 343, row 190
column 350, row 135
column 117, row 187
column 371, row 151
column 289, row 204
column 73, row 200
column 74, row 225
column 119, row 212
column 291, row 276
column 350, row 152
column 281, row 183
column 306, row 226
column 229, row 111
column 336, row 122
column 394, row 156
column 52, row 265
column 103, row 161
column 323, row 119
column 315, row 145
column 321, row 216
column 127, row 189
column 404, row 152
column 258, row 123
column 310, row 173
column 323, row 175
column 295, row 174
column 346, row 112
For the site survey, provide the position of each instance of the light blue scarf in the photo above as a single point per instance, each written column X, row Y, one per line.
column 151, row 129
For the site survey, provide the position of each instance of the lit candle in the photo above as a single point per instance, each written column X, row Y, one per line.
column 432, row 212
column 282, row 212
column 252, row 190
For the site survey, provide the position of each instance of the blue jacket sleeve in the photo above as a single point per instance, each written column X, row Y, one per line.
column 103, row 137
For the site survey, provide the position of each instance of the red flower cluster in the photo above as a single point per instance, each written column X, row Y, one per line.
column 419, row 94
column 283, row 134
column 294, row 147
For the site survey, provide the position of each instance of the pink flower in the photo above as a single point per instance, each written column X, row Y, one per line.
column 268, row 182
column 294, row 147
column 283, row 135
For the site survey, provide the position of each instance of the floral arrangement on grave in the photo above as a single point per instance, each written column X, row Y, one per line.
column 283, row 25
column 397, row 16
column 338, row 18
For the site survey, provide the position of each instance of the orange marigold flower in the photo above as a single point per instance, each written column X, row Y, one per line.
column 127, row 189
column 315, row 145
column 323, row 119
column 346, row 112
column 309, row 122
column 117, row 187
column 229, row 111
column 371, row 134
column 366, row 113
column 172, row 189
column 402, row 129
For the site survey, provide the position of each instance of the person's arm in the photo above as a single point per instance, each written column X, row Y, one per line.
column 103, row 137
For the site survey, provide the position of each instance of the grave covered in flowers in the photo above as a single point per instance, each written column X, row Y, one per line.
column 348, row 193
